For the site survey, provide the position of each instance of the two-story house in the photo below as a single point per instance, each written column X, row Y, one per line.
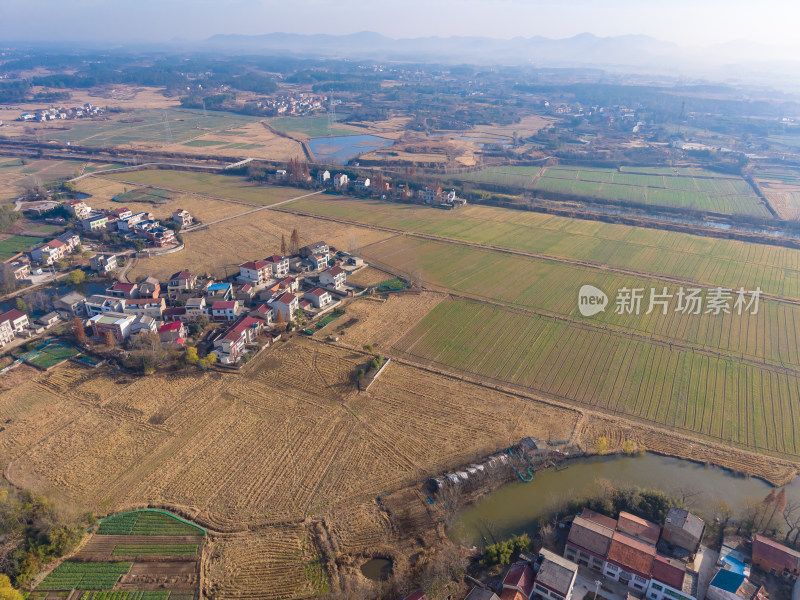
column 225, row 310
column 279, row 265
column 255, row 272
column 285, row 304
column 334, row 277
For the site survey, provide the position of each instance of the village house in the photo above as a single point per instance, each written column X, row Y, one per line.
column 159, row 237
column 317, row 262
column 6, row 332
column 71, row 239
column 121, row 214
column 94, row 222
column 172, row 333
column 219, row 291
column 314, row 249
column 255, row 272
column 79, row 209
column 334, row 277
column 152, row 307
column 263, row 313
column 16, row 319
column 555, row 576
column 133, row 220
column 279, row 265
column 231, row 344
column 49, row 319
column 318, row 297
column 103, row 263
column 182, row 217
column 630, row 561
column 775, row 558
column 636, row 527
column 143, row 323
column 589, row 541
column 72, row 303
column 671, row 581
column 323, row 177
column 430, row 195
column 479, row 593
column 518, row 580
column 123, row 290
column 49, row 252
column 182, row 281
column 362, row 183
column 149, row 287
column 285, row 304
column 97, row 304
column 196, row 308
column 683, row 529
column 175, row 313
column 728, row 585
column 417, row 595
column 118, row 324
column 340, row 180
column 14, row 271
column 224, row 310
column 245, row 293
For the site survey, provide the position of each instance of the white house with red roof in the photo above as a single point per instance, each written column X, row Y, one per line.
column 121, row 213
column 182, row 217
column 16, row 319
column 231, row 344
column 255, row 272
column 334, row 277
column 172, row 333
column 318, row 297
column 182, row 281
column 224, row 310
column 121, row 289
column 518, row 580
column 340, row 180
column 71, row 239
column 286, row 304
column 49, row 252
column 279, row 265
column 79, row 208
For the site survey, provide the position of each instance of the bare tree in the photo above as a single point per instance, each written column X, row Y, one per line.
column 283, row 244
column 294, row 242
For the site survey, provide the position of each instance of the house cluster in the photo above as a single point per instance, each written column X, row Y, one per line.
column 15, row 323
column 21, row 266
column 264, row 292
column 298, row 104
column 62, row 113
column 141, row 225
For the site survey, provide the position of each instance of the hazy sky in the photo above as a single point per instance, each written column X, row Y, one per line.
column 687, row 22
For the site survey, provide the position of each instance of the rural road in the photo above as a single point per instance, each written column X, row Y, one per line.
column 249, row 212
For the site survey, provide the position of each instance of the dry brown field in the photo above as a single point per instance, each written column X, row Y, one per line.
column 288, row 439
column 784, row 198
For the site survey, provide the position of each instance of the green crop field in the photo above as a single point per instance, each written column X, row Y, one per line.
column 204, row 143
column 145, row 126
column 52, row 355
column 513, row 176
column 731, row 401
column 152, row 195
column 127, row 595
column 85, row 576
column 715, row 193
column 134, row 550
column 211, row 184
column 707, row 261
column 313, row 127
column 146, row 522
column 17, row 243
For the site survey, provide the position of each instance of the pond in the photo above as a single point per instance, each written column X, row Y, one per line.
column 341, row 149
column 377, row 569
column 515, row 507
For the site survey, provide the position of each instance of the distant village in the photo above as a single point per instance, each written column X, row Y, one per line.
column 63, row 113
column 627, row 558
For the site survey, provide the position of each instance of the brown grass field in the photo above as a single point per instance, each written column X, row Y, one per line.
column 288, row 439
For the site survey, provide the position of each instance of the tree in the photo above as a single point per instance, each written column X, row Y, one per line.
column 21, row 306
column 7, row 592
column 108, row 339
column 628, row 447
column 191, row 355
column 294, row 242
column 77, row 277
column 368, row 348
column 80, row 332
column 61, row 265
column 601, row 445
column 280, row 321
column 208, row 360
column 283, row 244
column 779, row 506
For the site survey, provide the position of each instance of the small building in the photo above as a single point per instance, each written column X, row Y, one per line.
column 220, row 291
column 683, row 529
column 630, row 561
column 196, row 308
column 121, row 213
column 16, row 319
column 255, row 272
column 317, row 262
column 121, row 289
column 182, row 281
column 98, row 304
column 172, row 333
column 555, row 576
column 671, row 581
column 285, row 304
column 49, row 252
column 361, row 183
column 133, row 220
column 314, row 249
column 118, row 324
column 72, row 303
column 225, row 310
column 588, row 542
column 94, row 222
column 334, row 277
column 340, row 180
column 79, row 209
column 639, row 528
column 775, row 558
column 417, row 595
column 430, row 195
column 279, row 265
column 143, row 323
column 49, row 319
column 519, row 579
column 175, row 313
column 323, row 177
column 245, row 293
column 149, row 287
column 182, row 217
column 231, row 344
column 71, row 239
column 318, row 297
column 479, row 593
column 103, row 263
column 6, row 333
column 152, row 307
column 14, row 271
column 727, row 585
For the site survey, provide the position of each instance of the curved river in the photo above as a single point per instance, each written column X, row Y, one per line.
column 515, row 507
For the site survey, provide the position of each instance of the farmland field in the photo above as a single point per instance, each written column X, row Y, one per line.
column 707, row 261
column 146, row 522
column 781, row 187
column 312, row 127
column 85, row 576
column 52, row 355
column 150, row 195
column 726, row 195
column 513, row 176
column 14, row 174
column 210, row 184
column 17, row 243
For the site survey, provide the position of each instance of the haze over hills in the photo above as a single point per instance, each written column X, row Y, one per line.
column 738, row 59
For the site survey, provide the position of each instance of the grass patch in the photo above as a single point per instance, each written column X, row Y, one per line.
column 86, row 576
column 146, row 522
column 313, row 127
column 204, row 143
column 132, row 550
column 128, row 595
column 52, row 355
column 18, row 243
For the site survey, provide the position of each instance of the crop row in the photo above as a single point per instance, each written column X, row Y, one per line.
column 155, row 550
column 146, row 522
column 87, row 576
column 126, row 595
